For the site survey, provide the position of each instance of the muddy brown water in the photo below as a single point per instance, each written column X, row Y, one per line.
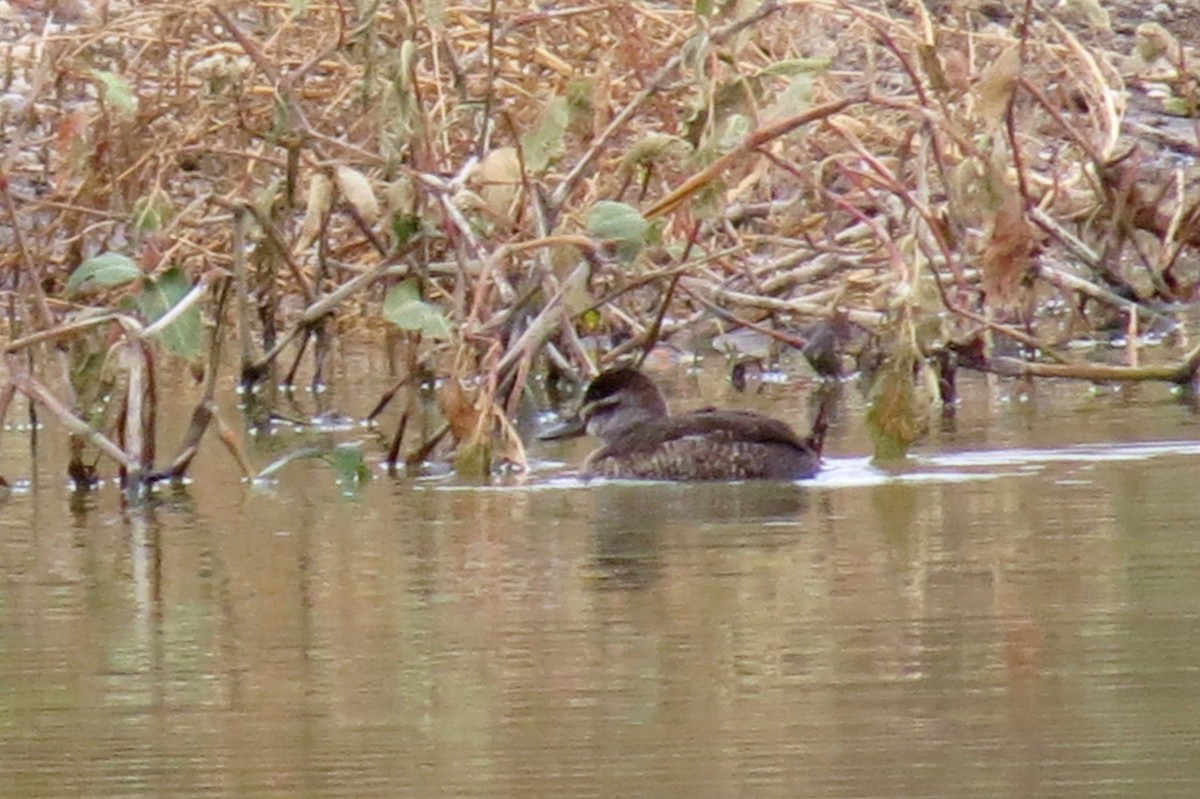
column 1014, row 613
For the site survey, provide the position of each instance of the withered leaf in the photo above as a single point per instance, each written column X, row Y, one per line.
column 1008, row 255
column 997, row 85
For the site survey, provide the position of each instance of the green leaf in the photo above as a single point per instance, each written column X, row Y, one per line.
column 102, row 271
column 1180, row 107
column 545, row 141
column 709, row 202
column 654, row 148
column 89, row 375
column 620, row 223
column 404, row 227
column 703, row 8
column 266, row 198
column 404, row 308
column 146, row 218
column 347, row 461
column 580, row 105
column 737, row 127
column 182, row 337
column 898, row 414
column 348, row 464
column 117, row 92
column 309, row 451
column 473, row 460
column 797, row 66
column 794, row 99
column 150, row 210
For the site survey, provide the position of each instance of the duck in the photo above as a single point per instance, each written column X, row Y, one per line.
column 641, row 439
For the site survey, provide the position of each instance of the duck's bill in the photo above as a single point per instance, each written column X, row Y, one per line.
column 567, row 428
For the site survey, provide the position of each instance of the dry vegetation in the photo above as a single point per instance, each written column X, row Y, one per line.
column 497, row 188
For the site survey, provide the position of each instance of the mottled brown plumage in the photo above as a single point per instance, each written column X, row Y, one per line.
column 626, row 411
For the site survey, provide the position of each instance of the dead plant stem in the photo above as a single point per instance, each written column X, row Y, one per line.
column 665, row 72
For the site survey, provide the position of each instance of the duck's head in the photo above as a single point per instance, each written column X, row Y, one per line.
column 613, row 403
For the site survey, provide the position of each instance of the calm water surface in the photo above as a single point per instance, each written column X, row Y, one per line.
column 1015, row 613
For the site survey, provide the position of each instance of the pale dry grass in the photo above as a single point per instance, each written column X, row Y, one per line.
column 930, row 178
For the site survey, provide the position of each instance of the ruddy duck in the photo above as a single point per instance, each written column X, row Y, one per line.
column 626, row 411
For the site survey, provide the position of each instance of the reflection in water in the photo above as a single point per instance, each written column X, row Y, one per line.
column 984, row 621
column 628, row 540
column 630, row 520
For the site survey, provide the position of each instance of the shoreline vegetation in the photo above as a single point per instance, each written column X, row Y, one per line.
column 510, row 194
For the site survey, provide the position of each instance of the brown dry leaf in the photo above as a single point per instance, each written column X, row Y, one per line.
column 859, row 128
column 71, row 148
column 499, row 176
column 957, row 69
column 357, row 189
column 970, row 192
column 602, row 94
column 460, row 410
column 996, row 87
column 931, row 63
column 400, row 196
column 1008, row 256
column 470, row 426
column 320, row 192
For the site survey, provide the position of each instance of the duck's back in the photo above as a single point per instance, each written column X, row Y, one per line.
column 707, row 445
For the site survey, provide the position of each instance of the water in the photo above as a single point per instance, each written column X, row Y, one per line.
column 1014, row 613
